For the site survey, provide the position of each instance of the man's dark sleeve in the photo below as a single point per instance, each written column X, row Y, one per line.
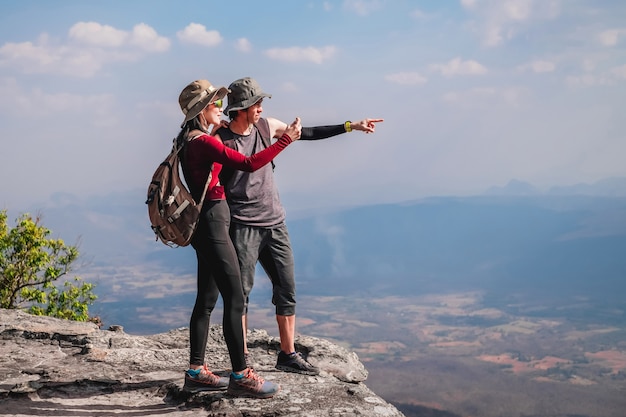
column 322, row 132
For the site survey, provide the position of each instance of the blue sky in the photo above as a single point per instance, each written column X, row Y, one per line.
column 474, row 93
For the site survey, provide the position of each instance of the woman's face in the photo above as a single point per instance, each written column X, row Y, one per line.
column 212, row 113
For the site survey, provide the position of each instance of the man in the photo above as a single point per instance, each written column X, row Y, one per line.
column 258, row 227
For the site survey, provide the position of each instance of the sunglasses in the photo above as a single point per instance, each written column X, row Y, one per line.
column 218, row 103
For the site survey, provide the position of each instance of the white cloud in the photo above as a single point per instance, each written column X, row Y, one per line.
column 105, row 36
column 39, row 55
column 92, row 46
column 196, row 33
column 517, row 10
column 468, row 4
column 299, row 54
column 42, row 58
column 611, row 37
column 457, row 66
column 243, row 45
column 500, row 20
column 493, row 36
column 362, row 7
column 406, row 78
column 419, row 14
column 93, row 33
column 146, row 38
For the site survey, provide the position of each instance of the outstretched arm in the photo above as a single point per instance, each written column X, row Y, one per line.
column 323, row 132
column 216, row 151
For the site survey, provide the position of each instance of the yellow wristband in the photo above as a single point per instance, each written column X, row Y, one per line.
column 347, row 126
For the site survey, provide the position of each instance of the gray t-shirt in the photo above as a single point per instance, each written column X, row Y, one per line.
column 253, row 196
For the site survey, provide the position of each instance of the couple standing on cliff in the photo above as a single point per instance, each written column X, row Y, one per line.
column 242, row 222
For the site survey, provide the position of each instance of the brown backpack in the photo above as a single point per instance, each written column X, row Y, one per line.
column 173, row 213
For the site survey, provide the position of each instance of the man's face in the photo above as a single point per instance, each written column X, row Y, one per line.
column 254, row 111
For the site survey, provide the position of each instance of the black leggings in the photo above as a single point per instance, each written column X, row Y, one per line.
column 218, row 272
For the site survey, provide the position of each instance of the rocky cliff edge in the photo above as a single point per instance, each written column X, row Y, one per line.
column 61, row 368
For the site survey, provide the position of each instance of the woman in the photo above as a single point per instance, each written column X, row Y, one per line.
column 218, row 268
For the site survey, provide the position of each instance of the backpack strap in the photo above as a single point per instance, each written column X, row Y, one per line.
column 191, row 136
column 264, row 129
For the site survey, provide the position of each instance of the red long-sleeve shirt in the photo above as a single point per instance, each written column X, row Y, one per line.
column 206, row 150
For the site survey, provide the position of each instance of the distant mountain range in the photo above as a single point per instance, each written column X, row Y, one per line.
column 608, row 187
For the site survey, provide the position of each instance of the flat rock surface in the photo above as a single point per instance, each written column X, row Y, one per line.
column 57, row 367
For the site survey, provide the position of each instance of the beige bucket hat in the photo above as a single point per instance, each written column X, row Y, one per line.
column 197, row 95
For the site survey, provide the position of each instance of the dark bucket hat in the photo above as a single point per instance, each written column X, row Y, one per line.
column 243, row 93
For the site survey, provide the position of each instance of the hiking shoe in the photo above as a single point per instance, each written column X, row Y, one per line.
column 252, row 385
column 204, row 380
column 295, row 363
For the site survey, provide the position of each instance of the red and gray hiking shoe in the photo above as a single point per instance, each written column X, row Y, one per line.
column 252, row 385
column 295, row 363
column 204, row 380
